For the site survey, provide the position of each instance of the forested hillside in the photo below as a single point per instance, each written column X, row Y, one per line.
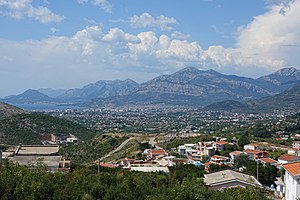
column 25, row 128
column 7, row 110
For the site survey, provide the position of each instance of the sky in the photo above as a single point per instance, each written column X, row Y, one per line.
column 68, row 44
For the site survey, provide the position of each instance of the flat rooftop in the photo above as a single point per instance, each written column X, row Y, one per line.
column 50, row 161
column 38, row 150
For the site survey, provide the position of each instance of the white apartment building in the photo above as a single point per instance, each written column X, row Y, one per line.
column 292, row 180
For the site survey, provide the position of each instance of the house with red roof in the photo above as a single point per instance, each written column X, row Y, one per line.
column 268, row 161
column 108, row 165
column 294, row 151
column 251, row 146
column 216, row 159
column 296, row 144
column 156, row 153
column 234, row 154
column 287, row 158
column 220, row 145
column 256, row 154
column 292, row 180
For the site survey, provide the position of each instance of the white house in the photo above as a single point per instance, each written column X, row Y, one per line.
column 251, row 146
column 234, row 154
column 292, row 180
column 72, row 140
column 294, row 151
column 296, row 144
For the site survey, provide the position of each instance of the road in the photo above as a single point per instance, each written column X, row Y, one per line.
column 117, row 149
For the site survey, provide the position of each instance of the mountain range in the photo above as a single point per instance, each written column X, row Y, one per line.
column 287, row 100
column 189, row 86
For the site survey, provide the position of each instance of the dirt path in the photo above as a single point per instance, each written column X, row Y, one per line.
column 117, row 149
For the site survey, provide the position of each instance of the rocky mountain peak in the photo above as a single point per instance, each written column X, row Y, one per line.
column 188, row 70
column 291, row 71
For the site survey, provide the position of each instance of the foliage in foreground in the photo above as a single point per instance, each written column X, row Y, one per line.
column 18, row 182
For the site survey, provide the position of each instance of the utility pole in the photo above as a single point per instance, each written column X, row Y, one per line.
column 98, row 165
column 257, row 170
column 0, row 155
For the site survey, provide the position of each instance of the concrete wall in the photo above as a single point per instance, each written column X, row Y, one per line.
column 292, row 187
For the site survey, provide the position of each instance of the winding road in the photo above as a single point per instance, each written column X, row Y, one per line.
column 117, row 149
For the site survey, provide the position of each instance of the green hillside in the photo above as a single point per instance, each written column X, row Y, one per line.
column 25, row 128
column 7, row 110
column 91, row 150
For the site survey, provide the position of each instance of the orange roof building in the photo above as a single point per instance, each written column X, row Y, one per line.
column 292, row 180
column 256, row 154
column 268, row 161
column 288, row 158
column 292, row 168
column 157, row 152
column 221, row 142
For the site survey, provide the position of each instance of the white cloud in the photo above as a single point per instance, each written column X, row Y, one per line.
column 90, row 55
column 180, row 36
column 145, row 20
column 273, row 38
column 118, row 35
column 103, row 4
column 23, row 8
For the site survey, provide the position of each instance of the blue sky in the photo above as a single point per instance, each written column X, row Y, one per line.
column 66, row 44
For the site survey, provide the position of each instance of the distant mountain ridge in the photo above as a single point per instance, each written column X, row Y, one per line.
column 29, row 96
column 188, row 86
column 53, row 93
column 101, row 89
column 191, row 86
column 289, row 99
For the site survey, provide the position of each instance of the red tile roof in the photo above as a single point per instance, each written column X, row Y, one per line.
column 108, row 165
column 255, row 145
column 156, row 152
column 235, row 153
column 268, row 160
column 292, row 168
column 288, row 157
column 219, row 157
column 294, row 149
column 221, row 142
column 249, row 151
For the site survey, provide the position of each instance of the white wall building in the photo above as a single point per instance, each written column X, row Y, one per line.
column 292, row 180
column 296, row 144
column 251, row 146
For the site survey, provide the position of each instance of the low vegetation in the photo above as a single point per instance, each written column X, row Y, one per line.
column 91, row 150
column 183, row 182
